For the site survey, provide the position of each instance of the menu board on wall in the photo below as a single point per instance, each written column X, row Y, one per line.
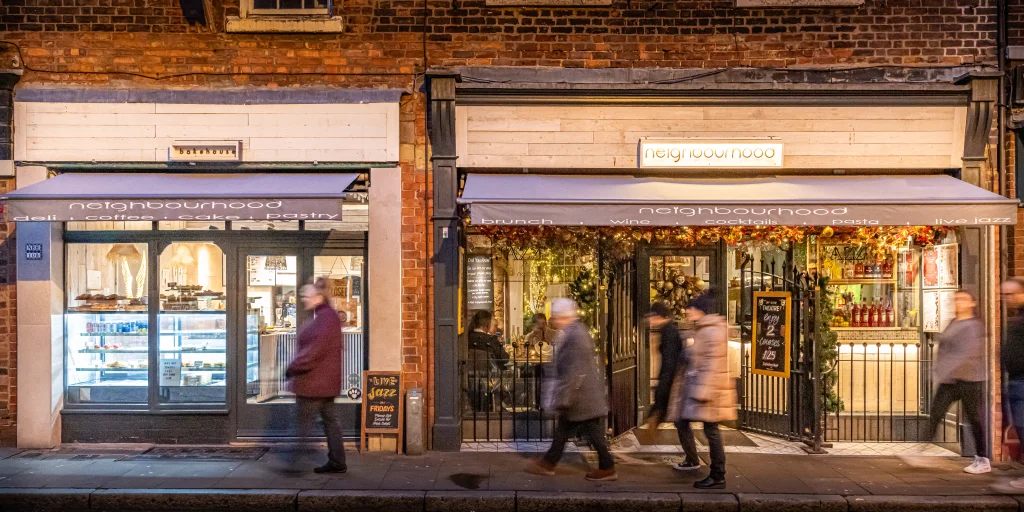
column 479, row 283
column 771, row 333
column 939, row 309
column 941, row 269
column 382, row 405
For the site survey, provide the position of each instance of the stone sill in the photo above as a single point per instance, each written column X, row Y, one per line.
column 285, row 25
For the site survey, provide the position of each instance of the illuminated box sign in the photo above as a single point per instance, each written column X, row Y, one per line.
column 653, row 153
column 205, row 151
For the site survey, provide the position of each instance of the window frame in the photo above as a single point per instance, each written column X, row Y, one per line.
column 248, row 9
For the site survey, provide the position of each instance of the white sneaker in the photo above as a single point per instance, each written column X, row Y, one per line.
column 981, row 465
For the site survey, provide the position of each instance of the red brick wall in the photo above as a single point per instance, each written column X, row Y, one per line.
column 1015, row 24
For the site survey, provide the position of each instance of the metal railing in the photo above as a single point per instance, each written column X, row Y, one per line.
column 502, row 398
column 886, row 392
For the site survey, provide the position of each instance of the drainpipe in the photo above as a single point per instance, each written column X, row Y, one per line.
column 1001, row 168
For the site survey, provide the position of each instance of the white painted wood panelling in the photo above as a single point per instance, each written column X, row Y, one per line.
column 143, row 132
column 813, row 137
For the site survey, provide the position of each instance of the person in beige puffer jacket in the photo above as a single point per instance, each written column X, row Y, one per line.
column 709, row 394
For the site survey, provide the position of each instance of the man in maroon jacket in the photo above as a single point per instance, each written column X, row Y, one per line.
column 315, row 373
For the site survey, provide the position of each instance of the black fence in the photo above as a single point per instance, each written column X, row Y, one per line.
column 501, row 398
column 886, row 392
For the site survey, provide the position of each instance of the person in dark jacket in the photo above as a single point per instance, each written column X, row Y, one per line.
column 1011, row 352
column 670, row 347
column 485, row 349
column 959, row 370
column 315, row 373
column 580, row 397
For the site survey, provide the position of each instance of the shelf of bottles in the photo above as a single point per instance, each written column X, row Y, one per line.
column 193, row 356
column 108, row 357
column 870, row 291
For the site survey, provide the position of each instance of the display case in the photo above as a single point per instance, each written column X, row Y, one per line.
column 192, row 333
column 107, row 358
column 193, row 357
column 107, row 324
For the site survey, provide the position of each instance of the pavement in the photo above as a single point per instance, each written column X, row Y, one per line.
column 113, row 478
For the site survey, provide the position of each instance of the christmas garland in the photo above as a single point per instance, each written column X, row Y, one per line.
column 620, row 242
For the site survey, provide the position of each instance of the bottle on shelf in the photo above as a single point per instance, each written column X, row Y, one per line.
column 872, row 315
column 864, row 312
column 876, row 270
column 858, row 270
column 887, row 268
column 855, row 316
column 889, row 320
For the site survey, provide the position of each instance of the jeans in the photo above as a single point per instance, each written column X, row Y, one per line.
column 1015, row 394
column 972, row 395
column 714, row 444
column 591, row 429
column 307, row 410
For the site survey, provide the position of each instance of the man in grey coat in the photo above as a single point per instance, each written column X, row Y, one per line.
column 960, row 371
column 580, row 398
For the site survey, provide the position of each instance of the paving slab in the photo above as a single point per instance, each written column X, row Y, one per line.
column 470, row 501
column 791, row 503
column 362, row 501
column 932, row 503
column 45, row 499
column 709, row 502
column 194, row 499
column 596, row 502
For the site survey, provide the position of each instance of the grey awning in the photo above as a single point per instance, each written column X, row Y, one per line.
column 791, row 201
column 151, row 196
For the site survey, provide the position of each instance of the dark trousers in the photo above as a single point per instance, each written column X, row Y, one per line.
column 972, row 395
column 591, row 429
column 1015, row 397
column 307, row 410
column 714, row 444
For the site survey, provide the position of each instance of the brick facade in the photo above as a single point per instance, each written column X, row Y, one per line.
column 390, row 43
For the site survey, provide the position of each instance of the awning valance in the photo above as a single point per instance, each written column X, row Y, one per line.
column 535, row 200
column 151, row 196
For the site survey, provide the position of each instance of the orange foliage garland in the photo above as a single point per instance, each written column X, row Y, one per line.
column 620, row 242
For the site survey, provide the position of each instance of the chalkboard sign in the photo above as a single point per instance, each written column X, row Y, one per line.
column 382, row 405
column 771, row 333
column 479, row 283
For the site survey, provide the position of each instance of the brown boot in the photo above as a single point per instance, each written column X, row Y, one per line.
column 540, row 467
column 603, row 475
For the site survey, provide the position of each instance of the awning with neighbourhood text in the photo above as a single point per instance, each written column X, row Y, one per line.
column 545, row 200
column 155, row 197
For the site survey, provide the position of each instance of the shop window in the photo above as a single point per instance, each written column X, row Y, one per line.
column 179, row 225
column 107, row 324
column 271, row 317
column 285, row 16
column 344, row 276
column 109, row 226
column 193, row 324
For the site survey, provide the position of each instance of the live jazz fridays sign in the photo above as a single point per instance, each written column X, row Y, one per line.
column 771, row 333
column 382, row 405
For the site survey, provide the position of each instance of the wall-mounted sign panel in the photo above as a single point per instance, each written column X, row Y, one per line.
column 205, row 151
column 655, row 153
